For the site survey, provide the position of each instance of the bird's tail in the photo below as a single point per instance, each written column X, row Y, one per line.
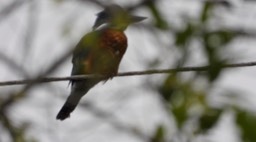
column 77, row 92
column 65, row 111
column 69, row 106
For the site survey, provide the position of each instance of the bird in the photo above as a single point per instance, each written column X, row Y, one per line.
column 98, row 52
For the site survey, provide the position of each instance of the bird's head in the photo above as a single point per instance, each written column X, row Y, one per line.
column 116, row 17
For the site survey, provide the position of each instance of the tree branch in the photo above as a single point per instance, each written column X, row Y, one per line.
column 9, row 9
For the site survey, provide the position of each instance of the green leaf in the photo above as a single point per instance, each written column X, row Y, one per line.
column 220, row 38
column 160, row 22
column 168, row 88
column 247, row 125
column 180, row 113
column 179, row 97
column 215, row 69
column 173, row 94
column 209, row 119
column 213, row 43
column 159, row 134
column 206, row 11
column 183, row 36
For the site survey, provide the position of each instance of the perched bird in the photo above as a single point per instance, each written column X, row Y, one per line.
column 98, row 52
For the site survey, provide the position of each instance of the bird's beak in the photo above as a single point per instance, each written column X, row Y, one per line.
column 135, row 19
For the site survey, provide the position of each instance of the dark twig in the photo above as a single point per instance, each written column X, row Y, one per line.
column 7, row 10
column 13, row 65
column 33, row 82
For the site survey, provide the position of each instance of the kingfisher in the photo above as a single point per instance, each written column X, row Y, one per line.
column 98, row 52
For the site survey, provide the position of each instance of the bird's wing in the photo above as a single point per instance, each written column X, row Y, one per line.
column 82, row 52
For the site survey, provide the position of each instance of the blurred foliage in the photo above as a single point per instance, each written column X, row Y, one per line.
column 17, row 133
column 247, row 124
column 159, row 134
column 206, row 11
column 209, row 119
column 213, row 43
column 181, row 98
column 183, row 36
column 159, row 20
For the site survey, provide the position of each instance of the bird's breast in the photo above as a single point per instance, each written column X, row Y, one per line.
column 115, row 41
column 107, row 52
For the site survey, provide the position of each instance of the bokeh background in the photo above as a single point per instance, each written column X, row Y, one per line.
column 215, row 105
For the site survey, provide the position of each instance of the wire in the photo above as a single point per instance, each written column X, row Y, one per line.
column 132, row 73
